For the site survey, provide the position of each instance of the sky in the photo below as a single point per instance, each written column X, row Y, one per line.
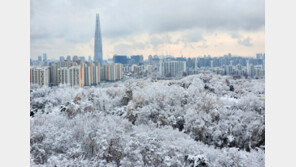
column 188, row 28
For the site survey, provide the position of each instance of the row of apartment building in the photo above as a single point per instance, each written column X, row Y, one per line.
column 74, row 73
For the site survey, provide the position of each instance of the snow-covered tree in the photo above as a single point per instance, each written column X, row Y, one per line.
column 200, row 120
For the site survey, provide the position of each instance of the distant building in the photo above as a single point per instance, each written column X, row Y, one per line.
column 248, row 68
column 84, row 74
column 148, row 68
column 39, row 58
column 92, row 73
column 112, row 72
column 180, row 58
column 150, row 59
column 68, row 58
column 195, row 65
column 75, row 58
column 75, row 76
column 62, row 58
column 252, row 71
column 259, row 56
column 75, row 73
column 136, row 59
column 82, row 58
column 63, row 76
column 170, row 68
column 71, row 76
column 153, row 60
column 54, row 76
column 120, row 59
column 228, row 70
column 212, row 64
column 44, row 57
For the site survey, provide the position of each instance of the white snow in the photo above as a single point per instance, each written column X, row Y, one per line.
column 144, row 123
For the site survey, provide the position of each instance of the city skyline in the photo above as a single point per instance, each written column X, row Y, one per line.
column 145, row 57
column 198, row 28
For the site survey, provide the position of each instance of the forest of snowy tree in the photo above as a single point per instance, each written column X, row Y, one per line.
column 202, row 120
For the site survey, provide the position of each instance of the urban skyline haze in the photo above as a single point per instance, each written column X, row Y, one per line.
column 188, row 28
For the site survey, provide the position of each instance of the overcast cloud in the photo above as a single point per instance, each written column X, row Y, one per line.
column 62, row 27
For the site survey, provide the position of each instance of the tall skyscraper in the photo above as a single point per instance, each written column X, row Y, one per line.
column 98, row 42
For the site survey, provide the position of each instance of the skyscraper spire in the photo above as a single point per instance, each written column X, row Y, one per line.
column 98, row 55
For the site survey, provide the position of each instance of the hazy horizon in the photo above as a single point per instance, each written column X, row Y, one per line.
column 189, row 28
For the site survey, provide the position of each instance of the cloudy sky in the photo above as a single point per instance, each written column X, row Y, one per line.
column 176, row 27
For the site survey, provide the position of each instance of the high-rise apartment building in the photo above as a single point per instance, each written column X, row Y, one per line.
column 92, row 73
column 75, row 76
column 112, row 72
column 71, row 76
column 119, row 71
column 63, row 76
column 248, row 68
column 39, row 76
column 76, row 73
column 54, row 74
column 195, row 65
column 98, row 51
column 170, row 68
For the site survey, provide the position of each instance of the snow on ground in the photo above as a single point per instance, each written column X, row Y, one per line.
column 200, row 120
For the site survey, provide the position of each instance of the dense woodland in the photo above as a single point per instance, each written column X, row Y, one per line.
column 202, row 120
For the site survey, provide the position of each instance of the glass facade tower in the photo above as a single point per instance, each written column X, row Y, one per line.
column 98, row 55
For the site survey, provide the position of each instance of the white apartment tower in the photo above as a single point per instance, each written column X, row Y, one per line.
column 112, row 71
column 63, row 76
column 39, row 76
column 195, row 65
column 74, row 76
column 92, row 74
column 172, row 68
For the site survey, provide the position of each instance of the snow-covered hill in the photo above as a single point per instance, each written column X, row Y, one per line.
column 200, row 120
